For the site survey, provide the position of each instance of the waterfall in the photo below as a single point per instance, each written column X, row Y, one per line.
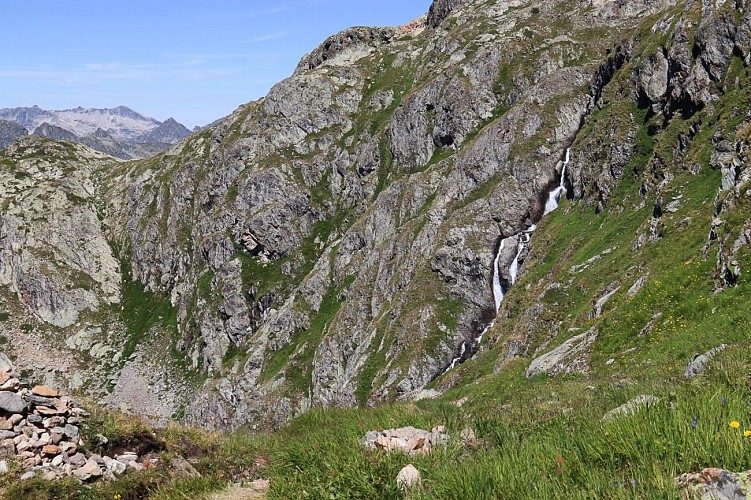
column 497, row 288
column 524, row 237
column 458, row 358
column 554, row 198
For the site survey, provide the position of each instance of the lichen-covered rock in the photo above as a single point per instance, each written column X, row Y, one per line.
column 714, row 483
column 409, row 477
column 407, row 440
column 698, row 363
column 639, row 402
column 570, row 357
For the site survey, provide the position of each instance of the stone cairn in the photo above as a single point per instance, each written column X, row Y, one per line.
column 40, row 428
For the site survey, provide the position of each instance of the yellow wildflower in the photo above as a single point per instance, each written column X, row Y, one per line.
column 734, row 424
column 747, row 433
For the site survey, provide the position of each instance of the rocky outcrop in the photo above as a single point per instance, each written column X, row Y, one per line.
column 407, row 440
column 715, row 483
column 698, row 362
column 570, row 357
column 634, row 405
column 441, row 9
column 679, row 78
column 346, row 47
column 9, row 132
column 62, row 294
column 50, row 233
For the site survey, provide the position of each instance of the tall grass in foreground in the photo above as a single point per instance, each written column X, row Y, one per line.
column 570, row 452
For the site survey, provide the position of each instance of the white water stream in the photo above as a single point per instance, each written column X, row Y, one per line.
column 554, row 198
column 524, row 237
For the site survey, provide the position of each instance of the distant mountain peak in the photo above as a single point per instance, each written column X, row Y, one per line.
column 169, row 132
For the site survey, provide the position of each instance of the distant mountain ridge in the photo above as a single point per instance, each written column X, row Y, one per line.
column 120, row 132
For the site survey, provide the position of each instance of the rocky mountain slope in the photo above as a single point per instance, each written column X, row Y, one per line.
column 119, row 132
column 347, row 240
column 9, row 132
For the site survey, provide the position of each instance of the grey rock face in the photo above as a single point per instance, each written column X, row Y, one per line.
column 698, row 362
column 350, row 40
column 9, row 132
column 653, row 77
column 42, row 236
column 441, row 9
column 569, row 357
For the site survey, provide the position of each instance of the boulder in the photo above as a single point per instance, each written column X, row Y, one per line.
column 12, row 403
column 632, row 406
column 699, row 361
column 90, row 470
column 407, row 440
column 409, row 477
column 46, row 392
column 569, row 357
column 714, row 483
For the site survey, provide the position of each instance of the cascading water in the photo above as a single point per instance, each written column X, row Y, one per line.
column 497, row 287
column 554, row 199
column 524, row 238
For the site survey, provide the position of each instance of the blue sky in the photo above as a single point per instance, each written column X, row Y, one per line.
column 194, row 60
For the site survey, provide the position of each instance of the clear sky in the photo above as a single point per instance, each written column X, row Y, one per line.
column 194, row 60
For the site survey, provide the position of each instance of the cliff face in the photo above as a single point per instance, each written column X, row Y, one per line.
column 9, row 132
column 336, row 242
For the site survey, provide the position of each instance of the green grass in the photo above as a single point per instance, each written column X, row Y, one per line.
column 375, row 361
column 542, row 438
column 142, row 310
column 296, row 358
